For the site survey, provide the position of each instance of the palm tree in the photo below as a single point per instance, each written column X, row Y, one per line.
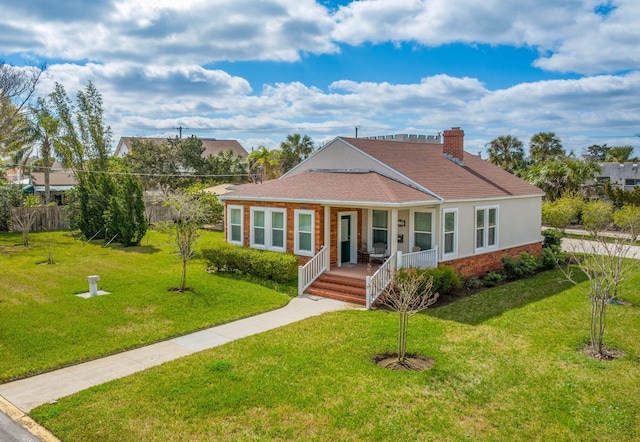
column 265, row 162
column 506, row 152
column 545, row 146
column 295, row 149
column 41, row 132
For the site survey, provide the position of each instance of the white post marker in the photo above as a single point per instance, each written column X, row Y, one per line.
column 93, row 285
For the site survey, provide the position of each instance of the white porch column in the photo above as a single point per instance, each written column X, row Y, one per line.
column 327, row 235
column 393, row 231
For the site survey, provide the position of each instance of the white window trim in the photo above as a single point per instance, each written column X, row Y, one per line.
column 268, row 240
column 296, row 237
column 485, row 240
column 455, row 234
column 412, row 231
column 229, row 209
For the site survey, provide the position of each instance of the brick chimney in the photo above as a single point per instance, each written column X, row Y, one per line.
column 454, row 145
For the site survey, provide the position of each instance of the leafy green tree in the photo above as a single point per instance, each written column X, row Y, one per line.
column 621, row 197
column 264, row 163
column 563, row 211
column 125, row 216
column 627, row 219
column 545, row 146
column 595, row 153
column 506, row 152
column 10, row 196
column 295, row 149
column 17, row 88
column 597, row 216
column 226, row 167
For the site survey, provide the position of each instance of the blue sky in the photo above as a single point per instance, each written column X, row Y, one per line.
column 258, row 71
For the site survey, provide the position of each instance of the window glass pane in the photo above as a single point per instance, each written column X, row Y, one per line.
column 479, row 238
column 277, row 238
column 304, row 222
column 258, row 218
column 448, row 243
column 492, row 216
column 380, row 218
column 423, row 240
column 235, row 216
column 380, row 236
column 305, row 241
column 492, row 236
column 258, row 235
column 235, row 233
column 479, row 218
column 277, row 220
column 449, row 221
column 422, row 222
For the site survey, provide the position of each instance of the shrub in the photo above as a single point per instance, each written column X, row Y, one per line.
column 524, row 267
column 552, row 237
column 276, row 266
column 562, row 212
column 491, row 279
column 473, row 284
column 597, row 216
column 445, row 279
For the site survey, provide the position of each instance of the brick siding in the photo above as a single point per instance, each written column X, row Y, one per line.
column 479, row 265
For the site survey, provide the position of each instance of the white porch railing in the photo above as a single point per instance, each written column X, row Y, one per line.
column 423, row 259
column 311, row 270
column 380, row 280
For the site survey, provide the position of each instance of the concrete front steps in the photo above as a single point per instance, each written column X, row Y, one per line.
column 341, row 288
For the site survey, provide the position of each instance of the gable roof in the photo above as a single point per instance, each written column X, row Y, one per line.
column 212, row 146
column 425, row 164
column 388, row 172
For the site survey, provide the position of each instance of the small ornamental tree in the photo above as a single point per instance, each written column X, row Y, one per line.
column 189, row 215
column 409, row 294
column 605, row 262
column 25, row 216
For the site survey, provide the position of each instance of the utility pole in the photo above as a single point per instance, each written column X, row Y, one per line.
column 356, row 131
column 179, row 129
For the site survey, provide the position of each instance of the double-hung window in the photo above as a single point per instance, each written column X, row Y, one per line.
column 268, row 227
column 450, row 232
column 380, row 226
column 304, row 229
column 423, row 230
column 486, row 227
column 235, row 229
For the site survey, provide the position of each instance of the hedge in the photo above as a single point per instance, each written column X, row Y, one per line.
column 276, row 266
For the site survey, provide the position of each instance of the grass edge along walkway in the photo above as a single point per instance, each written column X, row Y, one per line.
column 28, row 393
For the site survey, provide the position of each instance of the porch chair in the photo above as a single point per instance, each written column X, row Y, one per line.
column 416, row 249
column 378, row 253
column 363, row 253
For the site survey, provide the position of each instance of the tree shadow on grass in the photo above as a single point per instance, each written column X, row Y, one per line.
column 493, row 302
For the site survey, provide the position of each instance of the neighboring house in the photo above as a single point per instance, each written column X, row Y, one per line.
column 621, row 175
column 415, row 194
column 60, row 182
column 212, row 146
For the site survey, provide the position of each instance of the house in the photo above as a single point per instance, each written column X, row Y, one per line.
column 419, row 197
column 212, row 146
column 60, row 182
column 623, row 176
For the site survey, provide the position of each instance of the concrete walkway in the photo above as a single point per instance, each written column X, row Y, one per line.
column 23, row 395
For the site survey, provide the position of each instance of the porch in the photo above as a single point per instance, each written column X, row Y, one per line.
column 359, row 283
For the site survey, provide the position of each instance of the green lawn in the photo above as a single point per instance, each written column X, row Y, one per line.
column 43, row 325
column 508, row 367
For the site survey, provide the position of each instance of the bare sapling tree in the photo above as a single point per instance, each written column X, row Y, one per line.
column 606, row 261
column 25, row 216
column 189, row 214
column 410, row 293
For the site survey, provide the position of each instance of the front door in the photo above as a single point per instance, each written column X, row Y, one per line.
column 345, row 238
